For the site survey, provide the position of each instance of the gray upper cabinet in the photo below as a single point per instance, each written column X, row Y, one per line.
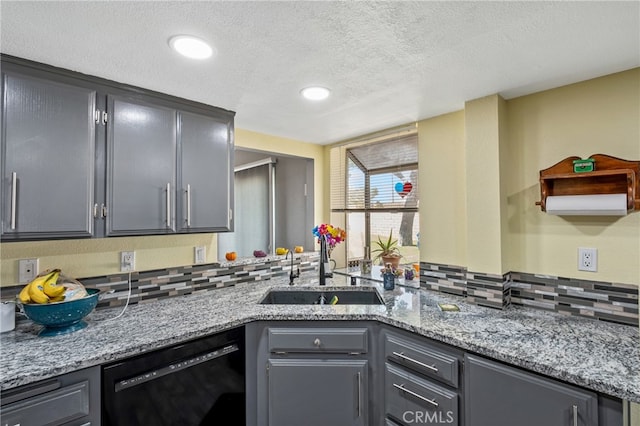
column 48, row 140
column 205, row 173
column 141, row 167
column 86, row 157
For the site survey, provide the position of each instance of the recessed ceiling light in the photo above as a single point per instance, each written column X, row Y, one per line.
column 315, row 93
column 191, row 47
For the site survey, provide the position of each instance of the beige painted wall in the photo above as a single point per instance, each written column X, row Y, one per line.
column 596, row 116
column 84, row 258
column 443, row 209
column 503, row 144
column 483, row 177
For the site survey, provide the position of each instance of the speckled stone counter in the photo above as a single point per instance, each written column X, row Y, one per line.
column 601, row 356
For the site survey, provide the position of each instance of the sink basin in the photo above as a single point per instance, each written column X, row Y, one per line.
column 313, row 297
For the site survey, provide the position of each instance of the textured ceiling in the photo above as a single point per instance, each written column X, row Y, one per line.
column 387, row 63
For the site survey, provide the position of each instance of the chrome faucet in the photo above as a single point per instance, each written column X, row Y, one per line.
column 291, row 274
column 324, row 268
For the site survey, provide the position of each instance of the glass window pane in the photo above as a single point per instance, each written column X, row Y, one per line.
column 405, row 227
column 356, row 236
column 394, row 189
column 355, row 192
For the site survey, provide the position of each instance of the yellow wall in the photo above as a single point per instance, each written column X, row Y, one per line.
column 84, row 258
column 596, row 116
column 443, row 214
column 482, row 149
column 501, row 146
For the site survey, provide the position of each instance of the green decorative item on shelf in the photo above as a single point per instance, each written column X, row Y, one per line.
column 582, row 166
column 387, row 250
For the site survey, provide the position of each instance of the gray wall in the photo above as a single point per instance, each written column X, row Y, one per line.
column 294, row 209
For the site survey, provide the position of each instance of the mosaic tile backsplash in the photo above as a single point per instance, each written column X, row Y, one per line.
column 614, row 302
column 604, row 301
column 147, row 286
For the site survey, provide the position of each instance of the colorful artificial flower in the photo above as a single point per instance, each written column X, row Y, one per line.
column 333, row 234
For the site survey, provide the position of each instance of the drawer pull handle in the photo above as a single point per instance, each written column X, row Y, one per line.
column 317, row 342
column 402, row 388
column 359, row 394
column 421, row 364
column 575, row 415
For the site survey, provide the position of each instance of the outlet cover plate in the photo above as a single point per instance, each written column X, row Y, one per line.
column 127, row 261
column 587, row 259
column 27, row 270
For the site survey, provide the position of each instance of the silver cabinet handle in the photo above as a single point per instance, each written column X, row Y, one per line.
column 421, row 364
column 169, row 205
column 188, row 206
column 359, row 394
column 575, row 415
column 103, row 211
column 317, row 342
column 95, row 210
column 402, row 388
column 14, row 193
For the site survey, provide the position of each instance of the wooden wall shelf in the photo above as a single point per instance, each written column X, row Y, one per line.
column 611, row 176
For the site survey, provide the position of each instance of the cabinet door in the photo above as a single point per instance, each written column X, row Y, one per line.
column 318, row 392
column 48, row 143
column 141, row 161
column 498, row 395
column 204, row 191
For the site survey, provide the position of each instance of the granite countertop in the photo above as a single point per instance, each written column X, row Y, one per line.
column 601, row 356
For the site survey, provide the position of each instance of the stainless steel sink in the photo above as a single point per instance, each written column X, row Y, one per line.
column 320, row 297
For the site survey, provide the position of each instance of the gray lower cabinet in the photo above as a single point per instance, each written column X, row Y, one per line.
column 421, row 381
column 141, row 167
column 71, row 400
column 310, row 373
column 317, row 392
column 499, row 395
column 48, row 144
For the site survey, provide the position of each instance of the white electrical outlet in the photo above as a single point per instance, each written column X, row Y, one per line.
column 127, row 261
column 27, row 270
column 200, row 254
column 587, row 259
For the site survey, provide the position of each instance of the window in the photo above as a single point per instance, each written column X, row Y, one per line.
column 374, row 188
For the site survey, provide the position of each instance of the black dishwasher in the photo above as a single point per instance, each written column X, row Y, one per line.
column 199, row 382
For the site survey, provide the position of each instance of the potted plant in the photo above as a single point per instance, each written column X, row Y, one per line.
column 387, row 250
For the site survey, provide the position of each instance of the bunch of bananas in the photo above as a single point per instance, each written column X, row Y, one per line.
column 43, row 289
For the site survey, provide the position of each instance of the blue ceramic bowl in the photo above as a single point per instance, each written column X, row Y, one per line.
column 62, row 317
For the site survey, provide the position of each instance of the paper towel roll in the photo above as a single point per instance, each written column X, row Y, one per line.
column 588, row 205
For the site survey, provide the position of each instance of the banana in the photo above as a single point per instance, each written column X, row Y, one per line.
column 36, row 293
column 24, row 294
column 50, row 286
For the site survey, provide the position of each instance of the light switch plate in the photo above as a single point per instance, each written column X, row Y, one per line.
column 27, row 270
column 200, row 254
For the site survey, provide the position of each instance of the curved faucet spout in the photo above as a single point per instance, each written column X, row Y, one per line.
column 292, row 276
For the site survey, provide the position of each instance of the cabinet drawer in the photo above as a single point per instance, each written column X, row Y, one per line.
column 338, row 340
column 54, row 407
column 413, row 400
column 423, row 358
